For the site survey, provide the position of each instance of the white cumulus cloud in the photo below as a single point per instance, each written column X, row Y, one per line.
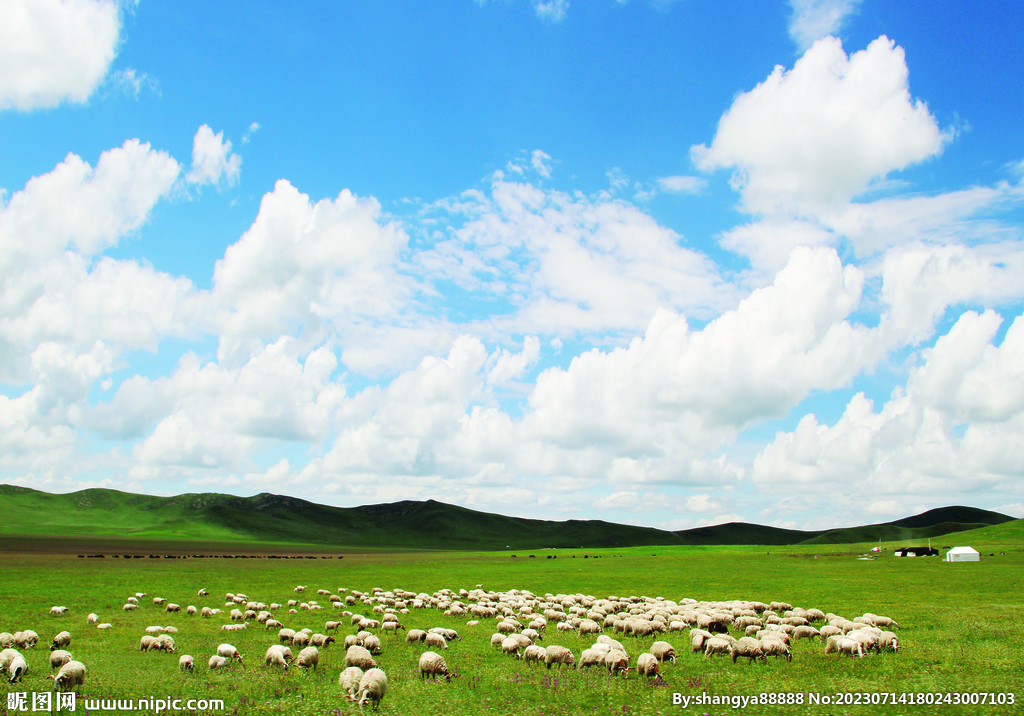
column 814, row 19
column 212, row 159
column 53, row 51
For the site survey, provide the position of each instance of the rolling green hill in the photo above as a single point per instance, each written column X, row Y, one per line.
column 109, row 514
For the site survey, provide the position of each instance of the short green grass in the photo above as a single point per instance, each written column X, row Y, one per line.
column 961, row 628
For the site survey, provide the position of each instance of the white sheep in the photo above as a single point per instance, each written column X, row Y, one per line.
column 591, row 657
column 278, row 655
column 105, row 625
column 534, row 653
column 92, row 619
column 436, row 640
column 888, row 640
column 229, row 652
column 17, row 668
column 172, row 607
column 191, row 610
column 647, row 665
column 154, row 630
column 748, row 647
column 717, row 645
column 510, row 646
column 662, row 650
column 6, row 640
column 555, row 654
column 358, row 656
column 372, row 687
column 186, row 663
column 165, row 642
column 308, row 657
column 61, row 640
column 58, row 611
column 218, row 662
column 776, row 647
column 129, row 607
column 71, row 674
column 433, row 665
column 349, row 680
column 58, row 658
column 842, row 645
column 26, row 639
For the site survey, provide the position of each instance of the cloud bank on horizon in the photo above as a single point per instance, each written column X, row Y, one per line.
column 812, row 316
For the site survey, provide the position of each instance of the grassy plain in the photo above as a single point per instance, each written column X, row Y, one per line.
column 961, row 627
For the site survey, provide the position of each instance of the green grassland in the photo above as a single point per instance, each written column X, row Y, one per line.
column 961, row 627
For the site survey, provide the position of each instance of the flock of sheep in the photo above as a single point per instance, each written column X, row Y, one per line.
column 522, row 620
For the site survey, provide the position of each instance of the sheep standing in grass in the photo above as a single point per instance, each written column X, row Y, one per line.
column 349, row 680
column 436, row 640
column 229, row 652
column 186, row 663
column 308, row 658
column 147, row 643
column 278, row 655
column 698, row 638
column 104, row 625
column 555, row 654
column 591, row 657
column 358, row 656
column 433, row 665
column 647, row 665
column 617, row 662
column 511, row 646
column 717, row 645
column 841, row 645
column 807, row 632
column 748, row 647
column 218, row 662
column 414, row 635
column 662, row 650
column 72, row 674
column 534, row 653
column 6, row 640
column 17, row 668
column 165, row 642
column 888, row 640
column 92, row 619
column 776, row 647
column 58, row 658
column 61, row 640
column 372, row 687
column 26, row 639
column 372, row 644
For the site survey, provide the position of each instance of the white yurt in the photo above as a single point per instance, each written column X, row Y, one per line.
column 963, row 554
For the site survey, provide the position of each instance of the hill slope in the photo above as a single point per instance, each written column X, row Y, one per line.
column 412, row 524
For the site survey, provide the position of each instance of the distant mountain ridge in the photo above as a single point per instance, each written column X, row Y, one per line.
column 410, row 524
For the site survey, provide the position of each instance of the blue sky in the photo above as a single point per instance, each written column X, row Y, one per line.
column 670, row 263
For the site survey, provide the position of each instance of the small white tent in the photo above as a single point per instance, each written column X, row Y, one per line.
column 963, row 554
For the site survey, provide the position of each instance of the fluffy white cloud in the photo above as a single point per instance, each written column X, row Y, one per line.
column 212, row 159
column 55, row 50
column 510, row 366
column 814, row 137
column 953, row 431
column 569, row 265
column 813, row 19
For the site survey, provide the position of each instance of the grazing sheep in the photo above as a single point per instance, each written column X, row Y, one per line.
column 206, row 612
column 748, row 647
column 301, row 638
column 229, row 652
column 433, row 665
column 26, row 639
column 218, row 662
column 829, row 630
column 534, row 653
column 104, row 625
column 61, row 640
column 320, row 640
column 617, row 662
column 698, row 638
column 148, row 643
column 278, row 655
column 717, row 645
column 372, row 644
column 807, row 632
column 532, row 635
column 436, row 640
column 6, row 640
column 353, row 640
column 17, row 668
column 414, row 635
column 867, row 640
column 647, row 665
column 880, row 621
column 159, row 601
column 92, row 619
column 58, row 658
column 6, row 657
column 332, row 626
column 776, row 647
column 154, row 630
column 191, row 610
column 58, row 611
column 842, row 645
column 129, row 607
column 372, row 687
column 285, row 635
column 496, row 639
column 172, row 607
column 555, row 654
column 888, row 640
column 510, row 646
column 591, row 657
column 349, row 680
column 202, row 593
column 663, row 650
column 308, row 657
column 185, row 663
column 71, row 674
column 358, row 656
